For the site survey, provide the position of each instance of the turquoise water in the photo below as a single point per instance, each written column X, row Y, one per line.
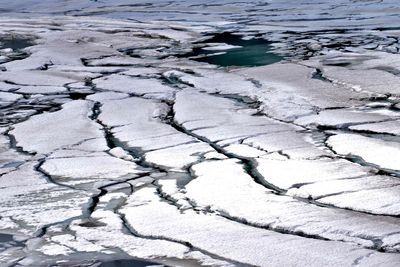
column 15, row 43
column 254, row 52
column 128, row 263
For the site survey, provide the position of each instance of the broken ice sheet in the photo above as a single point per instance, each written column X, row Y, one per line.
column 377, row 201
column 42, row 202
column 77, row 169
column 134, row 86
column 370, row 80
column 69, row 126
column 138, row 123
column 384, row 154
column 290, row 96
column 217, row 118
column 290, row 172
column 341, row 118
column 389, row 127
column 41, row 89
column 143, row 153
column 233, row 195
column 157, row 218
column 110, row 234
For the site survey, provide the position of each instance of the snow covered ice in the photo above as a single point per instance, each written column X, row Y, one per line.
column 184, row 133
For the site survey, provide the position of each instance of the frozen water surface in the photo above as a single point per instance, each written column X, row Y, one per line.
column 190, row 133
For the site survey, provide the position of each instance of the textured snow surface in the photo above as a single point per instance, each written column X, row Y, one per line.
column 115, row 145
